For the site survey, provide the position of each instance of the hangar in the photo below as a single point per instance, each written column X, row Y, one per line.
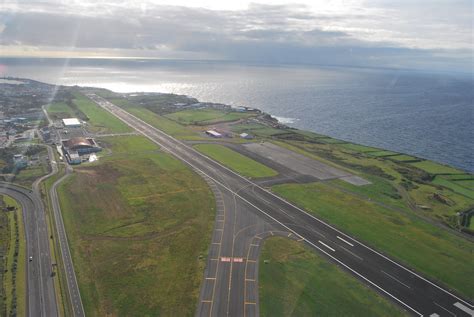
column 71, row 123
column 81, row 145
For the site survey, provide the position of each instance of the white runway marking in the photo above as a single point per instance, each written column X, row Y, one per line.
column 333, row 250
column 396, row 279
column 345, row 241
column 451, row 313
column 464, row 308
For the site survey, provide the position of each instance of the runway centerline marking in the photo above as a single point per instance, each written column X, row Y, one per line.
column 396, row 279
column 343, row 240
column 333, row 250
column 352, row 253
column 445, row 309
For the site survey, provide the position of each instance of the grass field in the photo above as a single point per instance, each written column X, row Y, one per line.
column 138, row 251
column 455, row 186
column 435, row 168
column 256, row 129
column 235, row 161
column 169, row 126
column 408, row 239
column 296, row 281
column 128, row 145
column 5, row 234
column 380, row 190
column 206, row 116
column 403, row 158
column 99, row 119
column 358, row 148
column 14, row 279
column 382, row 153
column 60, row 110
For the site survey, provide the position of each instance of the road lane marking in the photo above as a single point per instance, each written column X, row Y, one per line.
column 464, row 308
column 445, row 309
column 343, row 240
column 326, row 246
column 396, row 279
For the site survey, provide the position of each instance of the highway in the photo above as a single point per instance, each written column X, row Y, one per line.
column 41, row 298
column 412, row 291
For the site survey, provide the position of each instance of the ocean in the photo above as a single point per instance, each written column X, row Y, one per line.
column 423, row 114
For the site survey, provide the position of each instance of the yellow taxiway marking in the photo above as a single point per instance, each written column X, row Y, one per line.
column 250, row 303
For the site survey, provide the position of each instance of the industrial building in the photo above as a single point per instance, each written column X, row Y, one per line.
column 71, row 123
column 214, row 134
column 80, row 145
column 76, row 147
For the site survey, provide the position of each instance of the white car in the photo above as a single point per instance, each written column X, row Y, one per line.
column 31, row 258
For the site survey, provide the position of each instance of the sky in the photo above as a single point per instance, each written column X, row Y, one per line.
column 423, row 34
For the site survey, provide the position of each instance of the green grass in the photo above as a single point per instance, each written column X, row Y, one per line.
column 467, row 183
column 425, row 247
column 455, row 187
column 403, row 158
column 20, row 280
column 435, row 168
column 6, row 239
column 136, row 232
column 128, row 144
column 358, row 148
column 236, row 161
column 206, row 116
column 99, row 119
column 256, row 129
column 27, row 176
column 382, row 153
column 166, row 125
column 59, row 108
column 380, row 190
column 295, row 281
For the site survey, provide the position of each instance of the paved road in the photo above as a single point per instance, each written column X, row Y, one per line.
column 41, row 299
column 73, row 288
column 71, row 280
column 412, row 291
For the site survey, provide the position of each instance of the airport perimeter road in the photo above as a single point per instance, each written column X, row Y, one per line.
column 412, row 291
column 41, row 299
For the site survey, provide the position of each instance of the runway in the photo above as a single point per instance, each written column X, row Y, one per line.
column 412, row 291
column 41, row 299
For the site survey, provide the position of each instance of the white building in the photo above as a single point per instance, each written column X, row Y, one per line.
column 71, row 123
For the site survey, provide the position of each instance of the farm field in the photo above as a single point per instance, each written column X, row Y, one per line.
column 406, row 238
column 148, row 231
column 235, row 161
column 295, row 281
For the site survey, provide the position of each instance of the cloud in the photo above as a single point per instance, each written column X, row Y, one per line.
column 379, row 33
